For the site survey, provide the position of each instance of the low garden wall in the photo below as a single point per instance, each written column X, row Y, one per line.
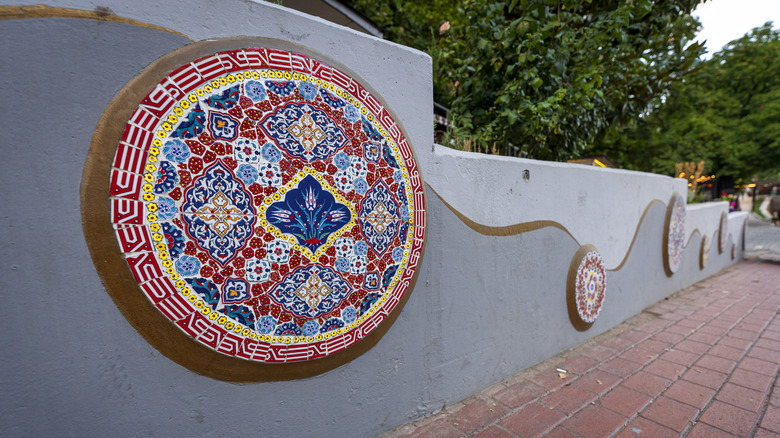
column 504, row 238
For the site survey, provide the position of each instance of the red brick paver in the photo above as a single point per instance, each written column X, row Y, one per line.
column 703, row 363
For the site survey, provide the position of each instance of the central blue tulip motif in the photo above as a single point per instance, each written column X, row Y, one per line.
column 310, row 213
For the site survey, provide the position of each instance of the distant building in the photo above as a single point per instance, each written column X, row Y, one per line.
column 335, row 12
column 600, row 161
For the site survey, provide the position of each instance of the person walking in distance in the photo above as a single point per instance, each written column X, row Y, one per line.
column 774, row 206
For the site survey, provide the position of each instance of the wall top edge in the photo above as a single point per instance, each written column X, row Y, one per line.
column 718, row 205
column 444, row 151
column 234, row 20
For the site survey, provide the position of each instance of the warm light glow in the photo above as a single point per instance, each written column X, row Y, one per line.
column 598, row 163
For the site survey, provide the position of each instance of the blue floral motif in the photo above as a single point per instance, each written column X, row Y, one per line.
column 331, row 324
column 360, row 186
column 166, row 178
column 174, row 239
column 367, row 302
column 389, row 157
column 166, row 208
column 242, row 314
column 187, row 266
column 344, row 246
column 223, row 126
column 176, row 150
column 246, row 151
column 269, row 174
column 247, row 173
column 341, row 160
column 255, row 91
column 311, row 291
column 371, row 132
column 193, row 125
column 342, row 264
column 288, row 329
column 357, row 265
column 310, row 328
column 308, row 90
column 405, row 213
column 401, row 193
column 218, row 213
column 283, row 88
column 361, row 248
column 271, row 153
column 278, row 251
column 207, row 290
column 351, row 113
column 265, row 324
column 398, row 254
column 398, row 176
column 235, row 290
column 309, row 213
column 387, row 277
column 225, row 100
column 343, row 180
column 371, row 281
column 304, row 131
column 333, row 101
column 349, row 314
column 371, row 151
column 358, row 167
column 258, row 270
column 403, row 230
column 379, row 218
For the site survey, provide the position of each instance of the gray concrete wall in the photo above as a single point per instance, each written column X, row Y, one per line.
column 484, row 307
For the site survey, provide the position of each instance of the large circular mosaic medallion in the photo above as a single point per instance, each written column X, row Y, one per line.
column 268, row 205
column 587, row 286
column 723, row 231
column 674, row 241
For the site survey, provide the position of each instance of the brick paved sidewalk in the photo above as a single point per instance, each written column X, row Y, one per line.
column 702, row 363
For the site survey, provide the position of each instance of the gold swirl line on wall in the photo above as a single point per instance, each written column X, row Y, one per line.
column 99, row 14
column 695, row 230
column 511, row 230
column 508, row 230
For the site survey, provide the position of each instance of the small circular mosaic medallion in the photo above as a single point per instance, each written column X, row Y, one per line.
column 268, row 205
column 723, row 232
column 587, row 287
column 674, row 241
column 705, row 252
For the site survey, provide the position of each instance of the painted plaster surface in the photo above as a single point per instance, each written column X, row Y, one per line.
column 736, row 223
column 704, row 218
column 484, row 307
column 598, row 206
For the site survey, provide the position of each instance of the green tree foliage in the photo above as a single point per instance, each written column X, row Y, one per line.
column 727, row 113
column 416, row 23
column 544, row 78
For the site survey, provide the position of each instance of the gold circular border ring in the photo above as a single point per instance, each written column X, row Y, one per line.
column 114, row 271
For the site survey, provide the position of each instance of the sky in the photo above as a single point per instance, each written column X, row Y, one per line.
column 726, row 20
